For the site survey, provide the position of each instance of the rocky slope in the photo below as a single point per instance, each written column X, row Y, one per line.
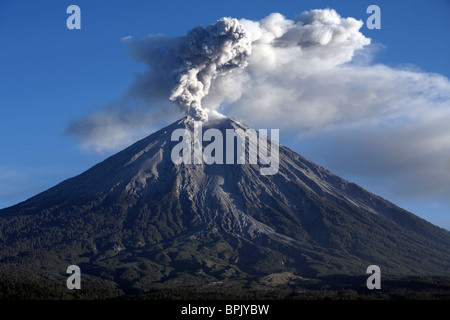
column 137, row 221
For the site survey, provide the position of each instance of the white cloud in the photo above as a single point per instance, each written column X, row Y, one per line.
column 344, row 95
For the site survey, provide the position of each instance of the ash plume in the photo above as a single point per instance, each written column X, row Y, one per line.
column 195, row 60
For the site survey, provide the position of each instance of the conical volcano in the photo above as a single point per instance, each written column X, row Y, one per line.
column 139, row 221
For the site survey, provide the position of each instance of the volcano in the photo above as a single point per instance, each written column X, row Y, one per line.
column 138, row 222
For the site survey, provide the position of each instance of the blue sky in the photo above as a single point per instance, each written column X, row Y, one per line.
column 51, row 77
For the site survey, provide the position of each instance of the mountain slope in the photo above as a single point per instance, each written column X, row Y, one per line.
column 137, row 221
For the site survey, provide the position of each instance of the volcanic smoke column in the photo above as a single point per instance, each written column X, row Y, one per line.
column 205, row 54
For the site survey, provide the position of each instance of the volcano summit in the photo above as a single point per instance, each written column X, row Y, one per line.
column 137, row 222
